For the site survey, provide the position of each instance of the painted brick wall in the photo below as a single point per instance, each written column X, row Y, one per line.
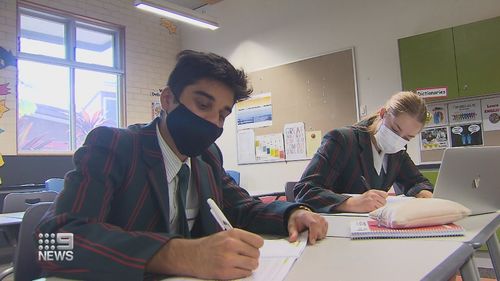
column 149, row 56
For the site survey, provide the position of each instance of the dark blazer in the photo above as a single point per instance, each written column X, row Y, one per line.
column 344, row 156
column 115, row 203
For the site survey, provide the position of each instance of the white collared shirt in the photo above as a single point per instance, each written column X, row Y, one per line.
column 172, row 166
column 379, row 160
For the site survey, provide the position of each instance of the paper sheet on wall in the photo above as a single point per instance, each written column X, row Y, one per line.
column 269, row 147
column 434, row 138
column 464, row 112
column 255, row 112
column 438, row 115
column 313, row 141
column 155, row 108
column 491, row 114
column 246, row 146
column 466, row 134
column 295, row 141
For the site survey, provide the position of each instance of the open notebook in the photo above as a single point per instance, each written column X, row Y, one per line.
column 277, row 257
column 369, row 229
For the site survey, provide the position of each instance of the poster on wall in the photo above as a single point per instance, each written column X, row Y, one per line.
column 313, row 142
column 255, row 112
column 466, row 135
column 464, row 112
column 295, row 141
column 269, row 147
column 246, row 146
column 155, row 109
column 491, row 114
column 438, row 115
column 434, row 138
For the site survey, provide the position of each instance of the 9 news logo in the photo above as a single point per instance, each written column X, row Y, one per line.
column 55, row 246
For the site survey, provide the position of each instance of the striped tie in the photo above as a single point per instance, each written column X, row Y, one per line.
column 183, row 183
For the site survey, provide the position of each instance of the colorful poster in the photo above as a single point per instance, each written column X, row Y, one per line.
column 254, row 112
column 434, row 138
column 155, row 109
column 491, row 114
column 466, row 134
column 438, row 115
column 295, row 141
column 464, row 112
column 313, row 141
column 246, row 146
column 269, row 147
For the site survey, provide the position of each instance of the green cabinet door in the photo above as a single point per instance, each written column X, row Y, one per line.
column 428, row 61
column 477, row 49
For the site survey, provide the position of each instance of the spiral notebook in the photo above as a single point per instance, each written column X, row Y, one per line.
column 369, row 229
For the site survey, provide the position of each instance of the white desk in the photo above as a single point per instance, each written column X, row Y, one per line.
column 8, row 219
column 17, row 215
column 384, row 259
column 479, row 230
column 9, row 224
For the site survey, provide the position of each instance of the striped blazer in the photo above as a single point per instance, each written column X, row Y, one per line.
column 344, row 156
column 115, row 202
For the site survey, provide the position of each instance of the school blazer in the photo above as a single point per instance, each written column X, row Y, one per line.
column 344, row 156
column 115, row 202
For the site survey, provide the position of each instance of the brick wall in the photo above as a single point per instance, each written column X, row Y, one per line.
column 149, row 56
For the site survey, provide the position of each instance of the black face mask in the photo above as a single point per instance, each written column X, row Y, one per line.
column 192, row 134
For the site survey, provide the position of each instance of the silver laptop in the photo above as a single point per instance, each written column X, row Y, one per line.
column 471, row 177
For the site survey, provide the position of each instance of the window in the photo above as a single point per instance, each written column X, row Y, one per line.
column 70, row 77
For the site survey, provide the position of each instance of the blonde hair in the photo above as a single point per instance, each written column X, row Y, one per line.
column 402, row 102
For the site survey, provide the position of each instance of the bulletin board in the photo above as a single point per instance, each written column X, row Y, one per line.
column 485, row 119
column 319, row 92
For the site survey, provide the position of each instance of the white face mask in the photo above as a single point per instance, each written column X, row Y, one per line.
column 388, row 141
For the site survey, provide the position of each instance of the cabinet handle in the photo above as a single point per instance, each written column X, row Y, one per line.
column 466, row 87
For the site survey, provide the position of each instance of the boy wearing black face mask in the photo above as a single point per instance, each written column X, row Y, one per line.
column 136, row 202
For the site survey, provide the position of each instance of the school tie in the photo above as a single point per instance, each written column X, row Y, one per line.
column 183, row 183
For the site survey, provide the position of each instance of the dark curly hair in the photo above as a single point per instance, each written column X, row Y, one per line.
column 192, row 66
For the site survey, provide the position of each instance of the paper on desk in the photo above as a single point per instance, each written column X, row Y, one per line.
column 283, row 248
column 276, row 260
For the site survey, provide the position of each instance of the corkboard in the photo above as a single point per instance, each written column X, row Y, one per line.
column 319, row 91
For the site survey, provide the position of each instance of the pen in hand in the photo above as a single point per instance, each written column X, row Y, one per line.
column 365, row 183
column 219, row 215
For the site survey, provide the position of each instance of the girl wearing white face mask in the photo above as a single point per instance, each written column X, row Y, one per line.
column 367, row 158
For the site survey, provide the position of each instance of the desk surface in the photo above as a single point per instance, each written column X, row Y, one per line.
column 477, row 228
column 380, row 259
column 11, row 218
column 17, row 215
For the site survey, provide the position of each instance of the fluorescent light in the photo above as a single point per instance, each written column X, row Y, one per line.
column 177, row 12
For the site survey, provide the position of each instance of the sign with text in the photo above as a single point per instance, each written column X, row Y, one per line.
column 55, row 246
column 432, row 92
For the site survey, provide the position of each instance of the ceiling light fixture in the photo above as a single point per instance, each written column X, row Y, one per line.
column 177, row 12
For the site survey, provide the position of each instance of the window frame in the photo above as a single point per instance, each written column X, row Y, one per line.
column 72, row 22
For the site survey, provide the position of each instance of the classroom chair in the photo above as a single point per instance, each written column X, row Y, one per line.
column 235, row 175
column 20, row 201
column 270, row 197
column 289, row 191
column 25, row 266
column 54, row 184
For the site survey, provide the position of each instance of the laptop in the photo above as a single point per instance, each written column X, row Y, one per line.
column 471, row 177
